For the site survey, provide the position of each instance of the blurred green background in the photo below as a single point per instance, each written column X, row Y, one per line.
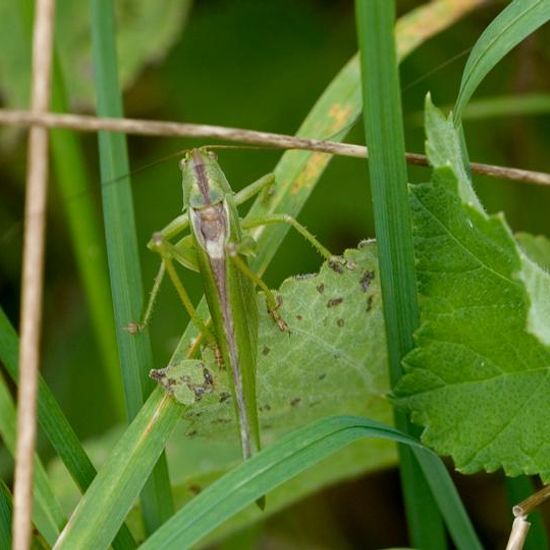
column 262, row 65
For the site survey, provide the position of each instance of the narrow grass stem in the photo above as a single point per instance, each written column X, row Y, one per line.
column 132, row 126
column 388, row 176
column 33, row 269
column 123, row 255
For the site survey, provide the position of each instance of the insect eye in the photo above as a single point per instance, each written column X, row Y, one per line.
column 183, row 163
column 212, row 155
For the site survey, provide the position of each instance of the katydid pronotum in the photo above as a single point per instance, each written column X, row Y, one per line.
column 217, row 247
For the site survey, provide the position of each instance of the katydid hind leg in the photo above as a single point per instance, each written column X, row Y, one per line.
column 159, row 277
column 289, row 220
column 134, row 327
column 273, row 304
column 190, row 308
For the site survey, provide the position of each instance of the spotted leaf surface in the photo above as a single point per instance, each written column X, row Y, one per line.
column 332, row 361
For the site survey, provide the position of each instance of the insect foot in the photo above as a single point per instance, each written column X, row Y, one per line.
column 272, row 309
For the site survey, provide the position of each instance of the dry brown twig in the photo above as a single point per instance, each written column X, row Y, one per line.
column 32, row 282
column 86, row 123
column 520, row 527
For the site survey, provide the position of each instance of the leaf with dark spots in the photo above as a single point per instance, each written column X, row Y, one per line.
column 366, row 280
column 333, row 370
column 333, row 302
column 336, row 266
column 369, row 303
column 222, row 420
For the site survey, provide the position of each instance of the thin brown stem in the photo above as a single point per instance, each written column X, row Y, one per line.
column 526, row 506
column 86, row 123
column 32, row 284
column 520, row 527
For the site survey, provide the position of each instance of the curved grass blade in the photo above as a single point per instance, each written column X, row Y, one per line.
column 517, row 21
column 294, row 453
column 122, row 250
column 6, row 508
column 55, row 425
column 505, row 106
column 108, row 500
column 47, row 514
column 122, row 477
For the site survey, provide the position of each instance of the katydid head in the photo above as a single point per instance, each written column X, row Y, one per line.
column 203, row 182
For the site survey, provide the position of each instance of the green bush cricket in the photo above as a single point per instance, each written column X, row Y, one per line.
column 217, row 247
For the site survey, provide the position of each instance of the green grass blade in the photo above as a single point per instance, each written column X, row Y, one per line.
column 105, row 505
column 291, row 455
column 47, row 514
column 507, row 106
column 84, row 229
column 388, row 176
column 55, row 425
column 6, row 508
column 501, row 106
column 517, row 21
column 448, row 501
column 122, row 250
column 297, row 175
column 518, row 489
column 88, row 245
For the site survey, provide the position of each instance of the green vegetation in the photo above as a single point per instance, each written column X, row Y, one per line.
column 444, row 318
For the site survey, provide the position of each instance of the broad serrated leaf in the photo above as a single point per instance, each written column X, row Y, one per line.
column 517, row 21
column 296, row 452
column 478, row 380
column 332, row 361
column 332, row 358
